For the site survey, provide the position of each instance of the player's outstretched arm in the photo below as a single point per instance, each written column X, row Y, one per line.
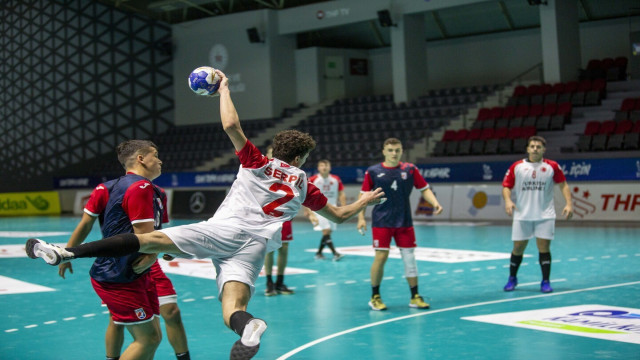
column 340, row 214
column 229, row 115
column 77, row 237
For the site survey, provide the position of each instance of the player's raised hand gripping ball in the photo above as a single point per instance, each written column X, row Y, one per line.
column 204, row 81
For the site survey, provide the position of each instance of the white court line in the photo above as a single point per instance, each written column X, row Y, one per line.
column 329, row 337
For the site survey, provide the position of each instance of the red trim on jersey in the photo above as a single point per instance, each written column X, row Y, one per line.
column 315, row 199
column 558, row 174
column 136, row 200
column 367, row 183
column 418, row 181
column 250, row 157
column 97, row 201
column 337, row 178
column 509, row 180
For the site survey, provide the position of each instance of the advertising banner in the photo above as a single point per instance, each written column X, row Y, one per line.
column 199, row 204
column 29, row 203
column 478, row 202
column 602, row 201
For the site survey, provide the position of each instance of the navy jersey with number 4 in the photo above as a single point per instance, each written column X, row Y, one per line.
column 397, row 184
column 119, row 204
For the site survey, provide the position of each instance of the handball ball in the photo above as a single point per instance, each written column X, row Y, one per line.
column 204, row 81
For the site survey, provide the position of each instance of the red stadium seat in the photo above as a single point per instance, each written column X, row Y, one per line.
column 496, row 112
column 535, row 110
column 484, row 114
column 501, row 133
column 461, row 134
column 623, row 126
column 571, row 87
column 607, row 127
column 521, row 111
column 628, row 104
column 550, row 109
column 558, row 88
column 636, row 127
column 592, row 127
column 528, row 131
column 515, row 133
column 520, row 90
column 508, row 112
column 486, row 134
column 564, row 109
column 449, row 135
column 474, row 134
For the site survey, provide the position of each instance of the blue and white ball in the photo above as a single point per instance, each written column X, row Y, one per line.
column 204, row 81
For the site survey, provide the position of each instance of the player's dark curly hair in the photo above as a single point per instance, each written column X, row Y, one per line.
column 288, row 144
column 128, row 149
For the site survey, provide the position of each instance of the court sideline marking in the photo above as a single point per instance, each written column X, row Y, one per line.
column 318, row 341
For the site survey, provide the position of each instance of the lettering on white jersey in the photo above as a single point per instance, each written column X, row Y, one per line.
column 278, row 174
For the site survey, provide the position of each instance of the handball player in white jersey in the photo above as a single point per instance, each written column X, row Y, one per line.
column 247, row 224
column 534, row 215
column 331, row 186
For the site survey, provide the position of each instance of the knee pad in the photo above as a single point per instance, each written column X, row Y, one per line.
column 409, row 259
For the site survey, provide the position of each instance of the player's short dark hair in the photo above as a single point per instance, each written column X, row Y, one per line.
column 391, row 141
column 324, row 161
column 288, row 144
column 537, row 138
column 126, row 150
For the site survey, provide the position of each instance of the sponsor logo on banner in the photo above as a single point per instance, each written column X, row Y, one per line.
column 595, row 321
column 436, row 173
column 581, row 204
column 577, row 170
column 33, row 203
column 487, row 173
column 602, row 202
column 480, row 199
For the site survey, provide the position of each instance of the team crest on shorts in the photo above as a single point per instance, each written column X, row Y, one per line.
column 141, row 314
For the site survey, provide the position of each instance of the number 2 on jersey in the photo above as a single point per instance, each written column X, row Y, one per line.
column 270, row 208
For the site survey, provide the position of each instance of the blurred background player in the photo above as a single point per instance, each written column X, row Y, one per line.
column 132, row 204
column 392, row 219
column 283, row 253
column 331, row 186
column 534, row 214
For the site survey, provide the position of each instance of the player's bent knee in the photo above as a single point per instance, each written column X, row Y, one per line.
column 409, row 259
column 170, row 313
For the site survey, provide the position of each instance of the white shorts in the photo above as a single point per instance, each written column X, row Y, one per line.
column 236, row 254
column 526, row 229
column 324, row 224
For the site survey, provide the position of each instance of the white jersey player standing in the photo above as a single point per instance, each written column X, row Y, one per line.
column 331, row 186
column 533, row 213
column 265, row 194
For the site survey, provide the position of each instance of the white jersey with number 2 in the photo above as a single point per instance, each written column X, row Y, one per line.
column 265, row 194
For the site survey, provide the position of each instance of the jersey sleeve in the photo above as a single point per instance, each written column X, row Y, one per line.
column 558, row 174
column 418, row 181
column 250, row 157
column 315, row 199
column 97, row 201
column 509, row 180
column 367, row 184
column 138, row 202
column 340, row 185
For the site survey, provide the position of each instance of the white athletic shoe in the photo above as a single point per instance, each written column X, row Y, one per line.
column 249, row 343
column 51, row 254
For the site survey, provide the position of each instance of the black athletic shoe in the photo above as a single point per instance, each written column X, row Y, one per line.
column 282, row 289
column 270, row 290
column 249, row 343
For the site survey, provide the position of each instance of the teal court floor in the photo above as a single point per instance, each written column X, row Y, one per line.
column 594, row 312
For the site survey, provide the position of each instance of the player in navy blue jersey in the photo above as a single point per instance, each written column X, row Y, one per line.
column 392, row 219
column 133, row 287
